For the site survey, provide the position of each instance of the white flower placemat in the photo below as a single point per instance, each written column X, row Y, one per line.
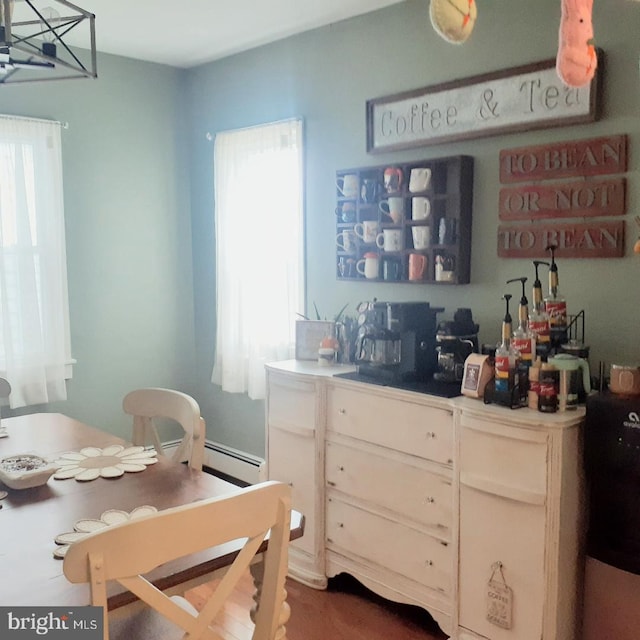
column 83, row 528
column 111, row 462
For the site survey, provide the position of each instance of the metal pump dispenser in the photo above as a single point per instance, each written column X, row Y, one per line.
column 555, row 304
column 507, row 358
column 538, row 318
column 523, row 339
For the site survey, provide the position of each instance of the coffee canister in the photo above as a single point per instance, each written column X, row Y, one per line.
column 624, row 379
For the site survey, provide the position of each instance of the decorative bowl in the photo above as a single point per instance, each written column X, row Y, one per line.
column 25, row 470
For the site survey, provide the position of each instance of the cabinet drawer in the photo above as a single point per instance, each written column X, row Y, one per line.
column 494, row 529
column 412, row 428
column 291, row 459
column 504, row 460
column 400, row 549
column 291, row 403
column 398, row 486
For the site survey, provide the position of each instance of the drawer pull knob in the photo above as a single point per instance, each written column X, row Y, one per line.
column 340, row 525
column 430, row 435
column 340, row 467
column 290, row 484
column 342, row 411
column 428, row 563
column 331, row 484
column 429, row 500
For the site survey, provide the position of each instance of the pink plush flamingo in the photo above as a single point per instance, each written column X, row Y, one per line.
column 576, row 61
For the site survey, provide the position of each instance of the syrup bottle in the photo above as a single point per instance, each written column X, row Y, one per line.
column 555, row 305
column 523, row 339
column 506, row 358
column 538, row 318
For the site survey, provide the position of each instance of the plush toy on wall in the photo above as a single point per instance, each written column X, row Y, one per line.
column 576, row 61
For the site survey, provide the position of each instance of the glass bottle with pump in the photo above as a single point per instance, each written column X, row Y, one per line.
column 538, row 318
column 523, row 339
column 507, row 358
column 555, row 305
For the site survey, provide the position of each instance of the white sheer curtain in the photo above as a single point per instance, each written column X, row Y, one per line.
column 35, row 348
column 259, row 222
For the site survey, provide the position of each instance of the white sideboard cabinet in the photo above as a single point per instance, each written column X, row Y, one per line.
column 473, row 512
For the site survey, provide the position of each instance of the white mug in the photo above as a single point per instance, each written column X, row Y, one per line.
column 390, row 240
column 368, row 266
column 393, row 207
column 367, row 230
column 419, row 179
column 345, row 240
column 421, row 237
column 420, row 208
column 348, row 185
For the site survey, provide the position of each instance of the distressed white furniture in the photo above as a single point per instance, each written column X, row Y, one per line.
column 145, row 405
column 420, row 498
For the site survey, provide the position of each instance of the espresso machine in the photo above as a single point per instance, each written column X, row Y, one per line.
column 455, row 341
column 396, row 341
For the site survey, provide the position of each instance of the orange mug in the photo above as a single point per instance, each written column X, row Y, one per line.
column 392, row 179
column 417, row 266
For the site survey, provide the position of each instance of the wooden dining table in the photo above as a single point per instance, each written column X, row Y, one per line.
column 30, row 519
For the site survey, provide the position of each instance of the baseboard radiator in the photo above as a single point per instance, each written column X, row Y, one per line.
column 228, row 462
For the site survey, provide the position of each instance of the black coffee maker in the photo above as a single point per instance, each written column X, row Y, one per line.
column 396, row 341
column 455, row 341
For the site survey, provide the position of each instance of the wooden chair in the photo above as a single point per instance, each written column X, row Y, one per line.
column 5, row 392
column 126, row 551
column 147, row 404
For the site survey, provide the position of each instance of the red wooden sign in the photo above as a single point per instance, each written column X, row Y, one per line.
column 566, row 200
column 595, row 240
column 596, row 156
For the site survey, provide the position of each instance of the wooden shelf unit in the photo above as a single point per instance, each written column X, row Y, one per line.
column 450, row 193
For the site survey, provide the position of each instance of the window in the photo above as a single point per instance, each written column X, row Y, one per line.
column 259, row 222
column 35, row 352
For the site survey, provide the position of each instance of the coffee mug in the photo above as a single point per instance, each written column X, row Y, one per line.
column 421, row 237
column 348, row 185
column 346, row 211
column 369, row 190
column 393, row 207
column 420, row 208
column 366, row 231
column 417, row 266
column 419, row 179
column 392, row 179
column 345, row 241
column 391, row 269
column 389, row 240
column 369, row 265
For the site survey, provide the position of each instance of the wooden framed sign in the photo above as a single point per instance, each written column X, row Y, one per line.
column 517, row 99
column 581, row 240
column 582, row 198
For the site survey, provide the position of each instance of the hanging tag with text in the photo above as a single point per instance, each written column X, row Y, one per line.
column 499, row 599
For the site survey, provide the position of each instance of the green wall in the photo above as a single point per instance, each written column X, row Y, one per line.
column 128, row 231
column 326, row 76
column 139, row 190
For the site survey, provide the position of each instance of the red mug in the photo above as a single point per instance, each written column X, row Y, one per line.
column 392, row 179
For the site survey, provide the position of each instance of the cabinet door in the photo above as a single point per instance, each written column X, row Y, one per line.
column 291, row 459
column 493, row 529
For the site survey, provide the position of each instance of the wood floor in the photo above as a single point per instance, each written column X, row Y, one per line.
column 346, row 611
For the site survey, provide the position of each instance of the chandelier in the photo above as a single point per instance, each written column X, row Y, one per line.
column 45, row 40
